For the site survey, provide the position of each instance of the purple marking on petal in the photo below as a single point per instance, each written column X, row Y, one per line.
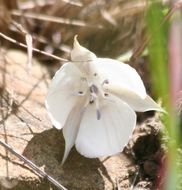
column 98, row 114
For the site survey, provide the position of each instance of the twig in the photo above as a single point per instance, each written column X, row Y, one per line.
column 24, row 5
column 117, row 185
column 55, row 19
column 134, row 181
column 42, row 39
column 33, row 166
column 142, row 46
column 34, row 49
column 72, row 2
column 29, row 43
column 31, row 4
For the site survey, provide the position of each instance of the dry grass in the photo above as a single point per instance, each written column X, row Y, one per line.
column 100, row 25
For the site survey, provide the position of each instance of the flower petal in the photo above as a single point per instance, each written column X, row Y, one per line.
column 109, row 134
column 120, row 74
column 68, row 73
column 82, row 58
column 80, row 53
column 70, row 129
column 136, row 102
column 59, row 100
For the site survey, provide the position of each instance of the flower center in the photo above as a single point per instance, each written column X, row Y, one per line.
column 94, row 98
column 93, row 93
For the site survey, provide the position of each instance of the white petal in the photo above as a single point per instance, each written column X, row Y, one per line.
column 66, row 74
column 109, row 134
column 133, row 100
column 120, row 74
column 70, row 129
column 80, row 53
column 82, row 58
column 60, row 101
column 59, row 106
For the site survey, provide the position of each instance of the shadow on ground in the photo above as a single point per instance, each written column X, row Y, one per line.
column 46, row 151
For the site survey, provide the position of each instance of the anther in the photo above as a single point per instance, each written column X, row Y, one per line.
column 80, row 92
column 91, row 101
column 106, row 81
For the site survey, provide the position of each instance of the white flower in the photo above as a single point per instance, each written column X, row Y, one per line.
column 94, row 101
